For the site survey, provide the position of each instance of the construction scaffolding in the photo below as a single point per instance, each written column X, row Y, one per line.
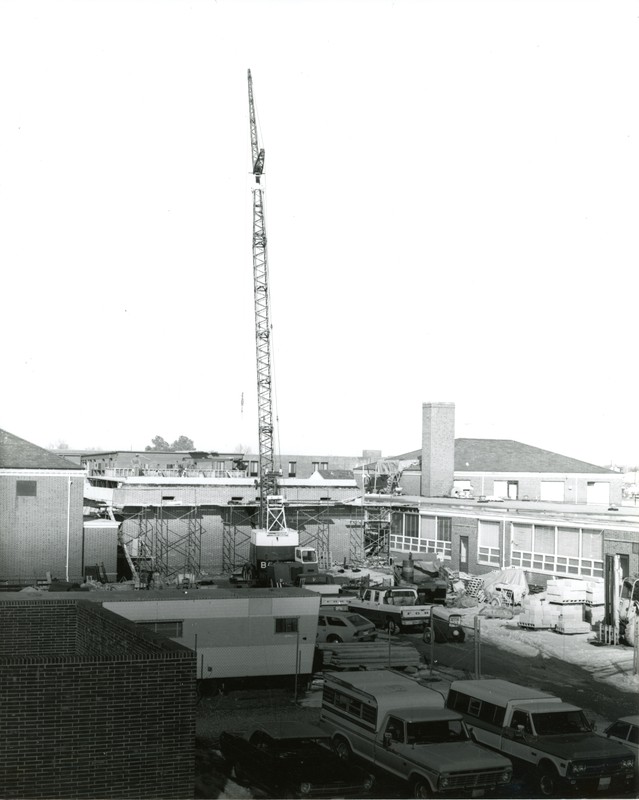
column 162, row 542
column 237, row 522
column 318, row 537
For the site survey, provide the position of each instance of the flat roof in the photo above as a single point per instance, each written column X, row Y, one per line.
column 155, row 595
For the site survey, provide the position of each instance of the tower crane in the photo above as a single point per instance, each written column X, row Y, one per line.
column 275, row 553
column 267, row 474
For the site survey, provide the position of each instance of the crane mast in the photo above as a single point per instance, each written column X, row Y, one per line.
column 267, row 474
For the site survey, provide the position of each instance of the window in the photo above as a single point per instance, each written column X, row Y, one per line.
column 367, row 714
column 324, row 465
column 559, row 550
column 286, row 625
column 170, row 628
column 292, row 469
column 316, row 465
column 474, row 707
column 619, row 729
column 26, row 488
column 422, row 534
column 521, row 718
column 489, row 549
column 395, row 729
column 411, row 525
column 253, row 469
column 444, row 529
column 553, row 491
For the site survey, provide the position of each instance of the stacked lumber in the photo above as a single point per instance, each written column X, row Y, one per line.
column 369, row 655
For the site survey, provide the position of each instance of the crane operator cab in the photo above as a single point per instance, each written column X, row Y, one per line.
column 308, row 557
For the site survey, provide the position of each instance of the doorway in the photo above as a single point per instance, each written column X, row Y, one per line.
column 463, row 553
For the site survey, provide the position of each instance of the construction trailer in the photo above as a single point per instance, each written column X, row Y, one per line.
column 235, row 633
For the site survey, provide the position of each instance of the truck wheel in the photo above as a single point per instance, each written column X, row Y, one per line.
column 421, row 788
column 547, row 780
column 334, row 638
column 342, row 748
column 428, row 635
column 392, row 627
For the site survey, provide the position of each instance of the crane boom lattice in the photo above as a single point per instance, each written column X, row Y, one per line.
column 267, row 474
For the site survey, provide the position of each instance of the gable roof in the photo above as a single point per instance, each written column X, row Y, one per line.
column 506, row 455
column 17, row 453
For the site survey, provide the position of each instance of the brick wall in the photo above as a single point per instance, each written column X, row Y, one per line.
column 438, row 449
column 114, row 717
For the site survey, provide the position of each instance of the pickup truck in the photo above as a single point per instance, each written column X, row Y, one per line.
column 550, row 738
column 403, row 728
column 292, row 760
column 393, row 609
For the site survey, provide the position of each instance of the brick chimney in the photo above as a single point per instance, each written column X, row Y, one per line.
column 438, row 449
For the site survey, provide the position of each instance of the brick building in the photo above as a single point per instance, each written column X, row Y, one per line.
column 41, row 502
column 91, row 705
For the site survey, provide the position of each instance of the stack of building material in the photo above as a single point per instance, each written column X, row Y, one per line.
column 568, row 596
column 369, row 655
column 594, row 608
column 566, row 591
column 534, row 614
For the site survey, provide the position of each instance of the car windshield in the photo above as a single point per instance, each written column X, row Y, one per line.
column 432, row 731
column 356, row 619
column 296, row 748
column 553, row 722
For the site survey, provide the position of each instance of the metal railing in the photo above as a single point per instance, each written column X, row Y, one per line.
column 134, row 472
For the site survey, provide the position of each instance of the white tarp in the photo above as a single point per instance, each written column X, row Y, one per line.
column 511, row 578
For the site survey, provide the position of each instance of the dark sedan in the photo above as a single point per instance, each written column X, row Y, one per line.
column 292, row 761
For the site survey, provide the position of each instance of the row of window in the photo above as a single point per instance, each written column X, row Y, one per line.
column 541, row 548
column 174, row 628
column 351, row 705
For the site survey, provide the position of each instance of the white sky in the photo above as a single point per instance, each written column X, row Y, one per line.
column 452, row 208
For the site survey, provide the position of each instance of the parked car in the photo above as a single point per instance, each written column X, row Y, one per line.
column 626, row 731
column 343, row 626
column 292, row 760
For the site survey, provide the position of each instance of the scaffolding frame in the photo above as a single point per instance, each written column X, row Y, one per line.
column 161, row 547
column 320, row 539
column 235, row 538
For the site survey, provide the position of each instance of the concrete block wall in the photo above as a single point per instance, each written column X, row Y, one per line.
column 94, row 725
column 34, row 529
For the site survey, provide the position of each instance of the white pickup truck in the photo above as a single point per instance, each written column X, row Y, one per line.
column 393, row 609
column 544, row 734
column 403, row 728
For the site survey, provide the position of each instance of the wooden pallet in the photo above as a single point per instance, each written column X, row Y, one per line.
column 474, row 587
